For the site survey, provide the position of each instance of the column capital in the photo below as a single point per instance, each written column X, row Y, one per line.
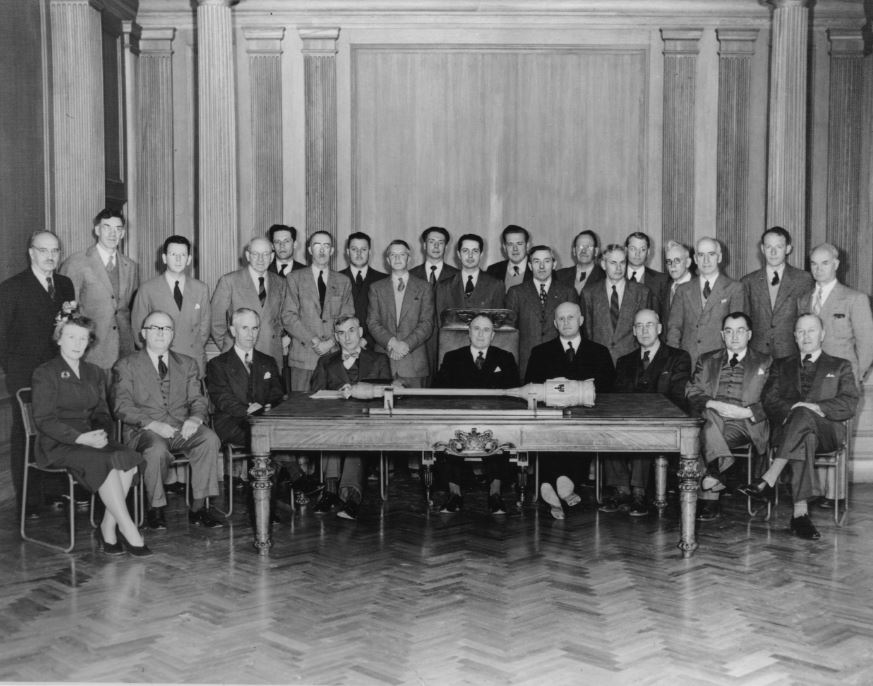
column 131, row 33
column 846, row 42
column 788, row 4
column 157, row 40
column 319, row 40
column 216, row 3
column 736, row 41
column 265, row 40
column 681, row 41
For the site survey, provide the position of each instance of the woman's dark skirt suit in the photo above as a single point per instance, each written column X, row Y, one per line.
column 65, row 406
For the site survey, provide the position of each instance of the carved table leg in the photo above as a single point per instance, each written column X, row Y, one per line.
column 261, row 472
column 660, row 484
column 689, row 477
column 427, row 460
column 522, row 464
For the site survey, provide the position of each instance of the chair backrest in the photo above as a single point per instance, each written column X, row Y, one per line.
column 22, row 395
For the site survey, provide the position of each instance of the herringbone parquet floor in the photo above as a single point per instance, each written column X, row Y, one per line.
column 407, row 597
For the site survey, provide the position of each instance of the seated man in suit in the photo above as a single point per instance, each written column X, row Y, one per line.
column 572, row 357
column 351, row 364
column 479, row 365
column 512, row 271
column 158, row 396
column 726, row 391
column 651, row 368
column 586, row 251
column 807, row 397
column 471, row 287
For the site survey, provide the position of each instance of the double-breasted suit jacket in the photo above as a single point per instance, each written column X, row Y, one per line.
column 695, row 326
column 773, row 325
column 848, row 326
column 110, row 311
column 331, row 374
column 567, row 276
column 595, row 299
column 304, row 318
column 668, row 373
column 192, row 324
column 592, row 361
column 414, row 327
column 361, row 295
column 459, row 370
column 535, row 322
column 235, row 290
column 488, row 293
column 232, row 389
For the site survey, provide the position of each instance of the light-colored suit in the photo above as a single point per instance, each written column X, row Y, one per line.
column 848, row 326
column 595, row 301
column 414, row 328
column 304, row 319
column 98, row 301
column 191, row 325
column 773, row 327
column 235, row 290
column 696, row 327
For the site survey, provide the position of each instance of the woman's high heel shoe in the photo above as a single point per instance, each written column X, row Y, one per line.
column 137, row 551
column 109, row 548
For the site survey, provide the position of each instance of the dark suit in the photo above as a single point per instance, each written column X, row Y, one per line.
column 800, row 432
column 567, row 276
column 141, row 397
column 422, row 271
column 487, row 294
column 361, row 296
column 595, row 303
column 432, row 344
column 459, row 370
column 773, row 325
column 536, row 323
column 657, row 282
column 232, row 389
column 27, row 321
column 295, row 265
column 498, row 271
column 592, row 361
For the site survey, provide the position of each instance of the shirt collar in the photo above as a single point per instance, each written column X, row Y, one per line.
column 397, row 277
column 639, row 271
column 703, row 279
column 547, row 283
column 316, row 270
column 153, row 356
column 814, row 357
column 474, row 274
column 475, row 352
column 255, row 276
column 826, row 289
column 42, row 278
column 652, row 350
column 779, row 270
column 105, row 254
column 363, row 271
column 522, row 268
column 172, row 279
column 686, row 277
column 740, row 356
column 577, row 341
column 242, row 354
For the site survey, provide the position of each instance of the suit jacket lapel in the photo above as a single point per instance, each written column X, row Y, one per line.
column 100, row 268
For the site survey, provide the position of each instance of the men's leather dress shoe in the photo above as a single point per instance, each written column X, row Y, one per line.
column 204, row 519
column 707, row 511
column 638, row 507
column 155, row 519
column 349, row 510
column 176, row 488
column 326, row 502
column 760, row 489
column 453, row 504
column 804, row 528
column 495, row 504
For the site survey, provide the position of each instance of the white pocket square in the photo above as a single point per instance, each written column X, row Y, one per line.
column 267, row 375
column 724, row 300
column 497, row 369
column 830, row 376
column 761, row 372
column 197, row 306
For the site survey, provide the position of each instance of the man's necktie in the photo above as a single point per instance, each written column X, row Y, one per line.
column 515, row 270
column 468, row 289
column 613, row 307
column 706, row 290
column 177, row 296
column 775, row 281
column 569, row 353
column 351, row 356
column 672, row 291
column 633, row 276
column 162, row 367
column 322, row 289
column 816, row 303
column 582, row 275
column 248, row 362
column 543, row 295
column 282, row 269
column 51, row 287
column 647, row 359
column 111, row 264
column 262, row 292
column 432, row 278
column 734, row 361
column 400, row 286
column 807, row 360
column 359, row 280
column 480, row 361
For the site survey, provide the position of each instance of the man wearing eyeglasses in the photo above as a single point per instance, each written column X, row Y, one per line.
column 677, row 260
column 158, row 396
column 29, row 302
column 726, row 391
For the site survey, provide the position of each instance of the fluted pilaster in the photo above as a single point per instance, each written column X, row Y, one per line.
column 681, row 47
column 786, row 166
column 319, row 64
column 216, row 141
column 736, row 49
column 264, row 48
column 154, row 147
column 77, row 114
column 130, row 35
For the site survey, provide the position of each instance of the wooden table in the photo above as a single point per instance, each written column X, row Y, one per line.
column 620, row 423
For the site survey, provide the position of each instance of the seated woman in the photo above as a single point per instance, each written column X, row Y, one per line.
column 72, row 416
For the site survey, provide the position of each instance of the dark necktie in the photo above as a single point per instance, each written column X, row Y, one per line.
column 400, row 285
column 613, row 307
column 582, row 276
column 468, row 289
column 543, row 294
column 775, row 281
column 646, row 359
column 432, row 276
column 177, row 296
column 706, row 290
column 633, row 276
column 262, row 292
column 515, row 270
column 248, row 362
column 282, row 269
column 359, row 280
column 51, row 287
column 569, row 353
column 322, row 289
column 807, row 360
column 162, row 367
column 111, row 264
column 734, row 361
column 480, row 361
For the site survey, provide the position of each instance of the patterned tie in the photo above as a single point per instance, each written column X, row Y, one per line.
column 569, row 353
column 633, row 276
column 515, row 270
column 111, row 264
column 51, row 287
column 262, row 291
column 706, row 290
column 543, row 295
column 351, row 356
column 480, row 361
column 400, row 286
column 613, row 307
column 282, row 270
column 432, row 278
column 672, row 291
column 468, row 289
column 162, row 367
column 775, row 281
column 816, row 303
column 734, row 361
column 647, row 359
column 359, row 280
column 322, row 289
column 248, row 362
column 177, row 296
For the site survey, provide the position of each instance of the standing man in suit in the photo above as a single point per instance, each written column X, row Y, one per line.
column 609, row 306
column 652, row 368
column 586, row 250
column 361, row 274
column 479, row 365
column 317, row 297
column 677, row 258
column 401, row 318
column 258, row 289
column 471, row 287
column 726, row 391
column 105, row 281
column 700, row 306
column 29, row 303
column 534, row 303
column 284, row 240
column 773, row 293
column 639, row 246
column 807, row 397
column 845, row 313
column 350, row 364
column 514, row 269
column 186, row 298
column 158, row 396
